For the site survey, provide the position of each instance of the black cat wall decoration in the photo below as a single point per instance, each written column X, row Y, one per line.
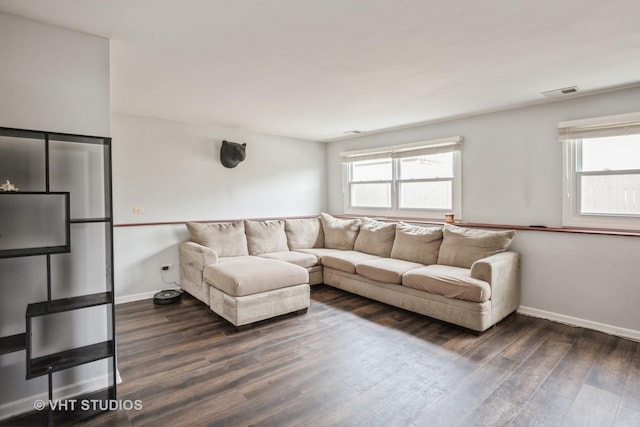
column 232, row 154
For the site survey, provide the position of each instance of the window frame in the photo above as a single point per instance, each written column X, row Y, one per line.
column 571, row 135
column 390, row 182
column 396, row 154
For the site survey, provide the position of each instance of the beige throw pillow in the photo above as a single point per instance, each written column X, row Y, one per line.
column 417, row 244
column 304, row 233
column 375, row 237
column 461, row 247
column 226, row 239
column 339, row 233
column 265, row 236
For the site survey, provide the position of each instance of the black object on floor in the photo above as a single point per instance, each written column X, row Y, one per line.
column 167, row 297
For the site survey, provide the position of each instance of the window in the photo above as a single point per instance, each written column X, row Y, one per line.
column 415, row 180
column 602, row 172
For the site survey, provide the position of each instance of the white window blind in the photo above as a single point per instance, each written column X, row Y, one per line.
column 619, row 125
column 404, row 150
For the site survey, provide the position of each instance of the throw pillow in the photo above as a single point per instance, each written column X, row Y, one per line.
column 339, row 233
column 304, row 233
column 461, row 247
column 375, row 237
column 417, row 244
column 226, row 239
column 265, row 236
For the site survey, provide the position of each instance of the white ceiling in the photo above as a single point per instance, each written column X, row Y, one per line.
column 313, row 69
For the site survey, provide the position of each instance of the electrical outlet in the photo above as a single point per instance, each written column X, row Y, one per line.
column 138, row 210
column 167, row 267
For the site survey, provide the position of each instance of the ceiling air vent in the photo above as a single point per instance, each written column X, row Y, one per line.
column 560, row 92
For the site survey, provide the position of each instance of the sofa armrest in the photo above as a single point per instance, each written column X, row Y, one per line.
column 193, row 259
column 194, row 255
column 502, row 272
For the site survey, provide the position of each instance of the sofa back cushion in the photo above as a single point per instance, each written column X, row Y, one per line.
column 226, row 239
column 461, row 247
column 375, row 237
column 417, row 244
column 304, row 233
column 339, row 233
column 265, row 236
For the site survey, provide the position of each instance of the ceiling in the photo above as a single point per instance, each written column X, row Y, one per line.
column 313, row 69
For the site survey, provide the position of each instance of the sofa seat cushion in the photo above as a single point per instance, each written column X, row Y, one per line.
column 297, row 258
column 253, row 275
column 235, row 258
column 386, row 270
column 448, row 281
column 319, row 253
column 346, row 260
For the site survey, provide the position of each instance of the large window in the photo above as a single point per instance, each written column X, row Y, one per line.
column 602, row 172
column 416, row 180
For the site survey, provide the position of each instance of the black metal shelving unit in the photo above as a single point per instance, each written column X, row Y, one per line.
column 64, row 149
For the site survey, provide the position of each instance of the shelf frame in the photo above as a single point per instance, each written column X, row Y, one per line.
column 43, row 250
column 46, row 365
column 61, row 305
column 13, row 343
column 66, row 359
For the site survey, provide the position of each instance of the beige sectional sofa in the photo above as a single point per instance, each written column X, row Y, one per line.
column 459, row 275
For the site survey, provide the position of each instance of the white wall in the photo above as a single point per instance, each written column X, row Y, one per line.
column 172, row 170
column 52, row 78
column 512, row 168
column 57, row 80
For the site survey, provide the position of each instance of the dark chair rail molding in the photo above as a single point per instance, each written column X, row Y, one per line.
column 574, row 230
column 147, row 224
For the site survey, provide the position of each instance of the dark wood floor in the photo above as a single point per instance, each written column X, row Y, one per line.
column 351, row 361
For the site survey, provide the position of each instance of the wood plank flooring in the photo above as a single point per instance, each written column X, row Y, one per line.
column 351, row 361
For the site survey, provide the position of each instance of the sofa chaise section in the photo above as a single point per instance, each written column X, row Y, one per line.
column 251, row 288
column 213, row 243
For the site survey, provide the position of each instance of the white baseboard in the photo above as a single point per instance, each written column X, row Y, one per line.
column 141, row 296
column 575, row 321
column 22, row 406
